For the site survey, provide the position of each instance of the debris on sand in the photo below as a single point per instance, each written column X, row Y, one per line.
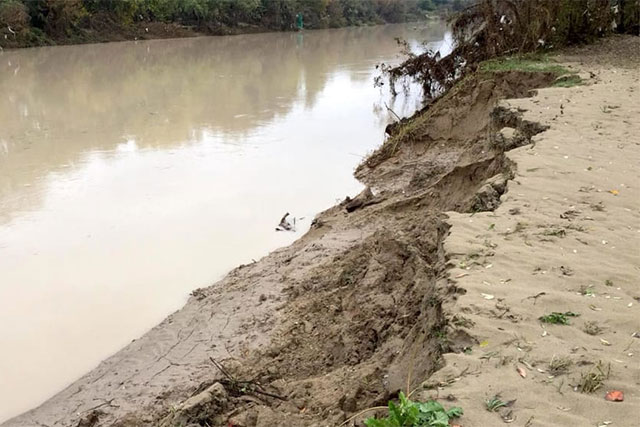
column 364, row 199
column 593, row 379
column 614, row 396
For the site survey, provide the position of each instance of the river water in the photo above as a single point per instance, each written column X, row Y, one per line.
column 132, row 173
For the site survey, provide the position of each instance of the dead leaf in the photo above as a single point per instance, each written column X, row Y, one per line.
column 614, row 192
column 521, row 371
column 614, row 396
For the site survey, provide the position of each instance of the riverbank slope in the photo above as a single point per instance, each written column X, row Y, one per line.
column 386, row 289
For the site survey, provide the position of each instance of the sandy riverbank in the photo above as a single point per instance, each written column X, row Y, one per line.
column 377, row 297
column 566, row 238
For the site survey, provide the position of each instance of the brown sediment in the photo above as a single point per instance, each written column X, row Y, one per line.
column 358, row 309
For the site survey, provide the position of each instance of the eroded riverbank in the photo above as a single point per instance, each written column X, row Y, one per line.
column 363, row 305
column 133, row 173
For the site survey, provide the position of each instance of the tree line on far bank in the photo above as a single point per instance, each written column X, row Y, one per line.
column 38, row 22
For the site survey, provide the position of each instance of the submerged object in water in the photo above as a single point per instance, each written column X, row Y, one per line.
column 286, row 225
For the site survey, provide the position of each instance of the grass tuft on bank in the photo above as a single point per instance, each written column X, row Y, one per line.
column 533, row 64
column 530, row 64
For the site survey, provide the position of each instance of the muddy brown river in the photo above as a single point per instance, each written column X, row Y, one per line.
column 132, row 173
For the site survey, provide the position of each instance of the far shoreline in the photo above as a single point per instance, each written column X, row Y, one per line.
column 142, row 31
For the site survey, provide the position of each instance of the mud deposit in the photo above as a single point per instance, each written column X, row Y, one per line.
column 342, row 319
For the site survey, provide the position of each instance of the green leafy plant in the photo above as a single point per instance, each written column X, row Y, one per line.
column 494, row 403
column 557, row 318
column 415, row 414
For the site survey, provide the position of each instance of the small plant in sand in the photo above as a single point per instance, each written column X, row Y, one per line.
column 559, row 365
column 592, row 328
column 494, row 403
column 557, row 318
column 587, row 290
column 593, row 380
column 415, row 414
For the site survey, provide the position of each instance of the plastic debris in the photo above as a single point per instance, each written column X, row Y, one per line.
column 614, row 396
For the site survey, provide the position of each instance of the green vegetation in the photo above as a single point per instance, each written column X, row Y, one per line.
column 415, row 414
column 494, row 403
column 568, row 81
column 558, row 318
column 35, row 22
column 533, row 64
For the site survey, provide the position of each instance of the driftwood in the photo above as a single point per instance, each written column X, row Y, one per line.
column 364, row 199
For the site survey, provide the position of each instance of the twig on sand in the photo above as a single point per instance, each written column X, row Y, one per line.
column 535, row 297
column 242, row 387
column 105, row 403
column 375, row 408
column 221, row 369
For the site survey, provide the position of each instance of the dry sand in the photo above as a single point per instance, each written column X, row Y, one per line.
column 336, row 322
column 565, row 238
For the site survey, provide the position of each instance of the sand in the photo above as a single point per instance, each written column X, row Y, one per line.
column 395, row 293
column 565, row 238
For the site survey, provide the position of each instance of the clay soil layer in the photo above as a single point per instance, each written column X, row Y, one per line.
column 482, row 216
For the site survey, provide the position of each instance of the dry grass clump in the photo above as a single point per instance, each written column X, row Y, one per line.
column 592, row 328
column 559, row 365
column 594, row 379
